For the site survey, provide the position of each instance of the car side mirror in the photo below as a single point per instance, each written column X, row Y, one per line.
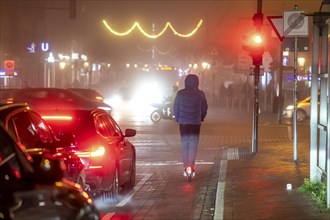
column 130, row 132
column 47, row 169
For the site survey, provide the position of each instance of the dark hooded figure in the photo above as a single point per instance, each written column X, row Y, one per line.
column 190, row 109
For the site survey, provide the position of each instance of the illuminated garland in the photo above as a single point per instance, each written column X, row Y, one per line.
column 153, row 36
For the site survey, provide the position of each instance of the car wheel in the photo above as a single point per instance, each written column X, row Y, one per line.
column 115, row 187
column 131, row 182
column 156, row 116
column 111, row 196
column 301, row 115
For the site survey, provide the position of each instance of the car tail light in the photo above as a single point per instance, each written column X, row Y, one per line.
column 99, row 98
column 10, row 100
column 95, row 152
column 98, row 152
column 57, row 117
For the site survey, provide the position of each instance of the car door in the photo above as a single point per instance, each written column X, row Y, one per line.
column 124, row 148
column 115, row 140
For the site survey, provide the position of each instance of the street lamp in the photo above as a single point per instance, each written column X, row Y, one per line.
column 50, row 60
column 62, row 65
column 74, row 58
column 301, row 62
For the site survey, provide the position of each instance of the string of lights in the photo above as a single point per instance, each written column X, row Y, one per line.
column 153, row 36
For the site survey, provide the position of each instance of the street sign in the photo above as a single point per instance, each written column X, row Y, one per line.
column 9, row 65
column 277, row 24
column 295, row 23
column 302, row 44
column 11, row 73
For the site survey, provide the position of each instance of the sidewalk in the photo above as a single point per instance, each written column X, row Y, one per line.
column 256, row 184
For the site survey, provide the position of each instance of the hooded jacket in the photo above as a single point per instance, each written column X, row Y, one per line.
column 190, row 104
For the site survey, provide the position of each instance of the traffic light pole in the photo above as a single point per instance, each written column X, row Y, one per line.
column 258, row 22
column 295, row 146
column 255, row 109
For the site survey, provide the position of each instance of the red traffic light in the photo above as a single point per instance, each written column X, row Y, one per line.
column 254, row 44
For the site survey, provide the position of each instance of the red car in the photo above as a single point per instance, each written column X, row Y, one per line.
column 109, row 157
column 44, row 99
column 35, row 188
column 32, row 132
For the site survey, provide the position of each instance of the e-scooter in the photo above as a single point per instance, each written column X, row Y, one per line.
column 190, row 174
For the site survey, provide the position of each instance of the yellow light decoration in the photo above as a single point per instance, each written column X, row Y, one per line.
column 153, row 36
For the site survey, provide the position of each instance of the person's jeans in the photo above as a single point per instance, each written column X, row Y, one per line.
column 189, row 142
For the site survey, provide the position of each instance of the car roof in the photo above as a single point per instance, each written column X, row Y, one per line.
column 7, row 108
column 86, row 102
column 86, row 92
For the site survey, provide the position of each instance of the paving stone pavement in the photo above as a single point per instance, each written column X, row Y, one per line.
column 255, row 184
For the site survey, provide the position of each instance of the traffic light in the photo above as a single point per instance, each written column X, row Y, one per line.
column 254, row 44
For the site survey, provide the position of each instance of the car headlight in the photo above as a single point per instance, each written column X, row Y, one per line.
column 290, row 107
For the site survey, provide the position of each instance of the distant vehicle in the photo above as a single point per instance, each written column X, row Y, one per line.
column 34, row 188
column 91, row 94
column 45, row 99
column 109, row 157
column 33, row 132
column 162, row 111
column 6, row 95
column 303, row 109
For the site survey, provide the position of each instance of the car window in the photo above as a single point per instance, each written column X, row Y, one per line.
column 62, row 96
column 101, row 126
column 42, row 128
column 25, row 130
column 36, row 94
column 115, row 126
column 106, row 127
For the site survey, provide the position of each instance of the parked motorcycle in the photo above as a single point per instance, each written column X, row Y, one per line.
column 162, row 112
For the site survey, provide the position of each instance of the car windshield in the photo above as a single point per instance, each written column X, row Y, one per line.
column 70, row 121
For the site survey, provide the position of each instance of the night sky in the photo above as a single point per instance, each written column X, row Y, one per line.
column 224, row 24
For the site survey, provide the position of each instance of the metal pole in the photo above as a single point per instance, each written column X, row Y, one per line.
column 256, row 92
column 295, row 147
column 280, row 82
column 213, row 86
column 314, row 112
column 45, row 74
column 255, row 109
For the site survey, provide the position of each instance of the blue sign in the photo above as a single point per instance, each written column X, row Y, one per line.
column 285, row 61
column 32, row 48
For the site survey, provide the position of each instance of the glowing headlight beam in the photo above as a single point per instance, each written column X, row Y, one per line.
column 153, row 36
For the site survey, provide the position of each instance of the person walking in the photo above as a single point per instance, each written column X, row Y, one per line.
column 190, row 109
